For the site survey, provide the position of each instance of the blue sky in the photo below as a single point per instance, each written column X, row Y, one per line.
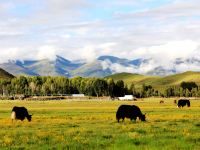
column 38, row 29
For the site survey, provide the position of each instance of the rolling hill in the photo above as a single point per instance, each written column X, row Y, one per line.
column 5, row 75
column 155, row 81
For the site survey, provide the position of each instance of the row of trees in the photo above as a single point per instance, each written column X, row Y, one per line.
column 186, row 89
column 45, row 86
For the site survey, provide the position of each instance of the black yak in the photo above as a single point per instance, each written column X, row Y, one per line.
column 20, row 113
column 162, row 101
column 183, row 102
column 129, row 111
column 175, row 102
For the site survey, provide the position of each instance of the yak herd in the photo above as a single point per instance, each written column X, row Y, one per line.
column 124, row 111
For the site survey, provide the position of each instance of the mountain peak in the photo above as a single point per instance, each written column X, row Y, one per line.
column 112, row 59
column 59, row 58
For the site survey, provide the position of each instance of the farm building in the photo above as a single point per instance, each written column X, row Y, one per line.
column 78, row 95
column 127, row 97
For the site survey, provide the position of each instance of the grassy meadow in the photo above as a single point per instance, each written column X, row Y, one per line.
column 156, row 81
column 92, row 125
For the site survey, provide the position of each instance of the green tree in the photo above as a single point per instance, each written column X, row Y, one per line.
column 75, row 85
column 188, row 85
column 194, row 92
column 182, row 92
column 100, row 87
column 89, row 87
column 111, row 86
column 62, row 85
column 19, row 84
column 5, row 87
column 132, row 89
column 187, row 93
column 48, row 88
column 119, row 88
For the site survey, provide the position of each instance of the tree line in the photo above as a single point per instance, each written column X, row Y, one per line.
column 186, row 89
column 49, row 86
column 46, row 86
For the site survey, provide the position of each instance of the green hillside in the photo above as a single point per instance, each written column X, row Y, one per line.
column 177, row 79
column 137, row 79
column 157, row 82
column 5, row 75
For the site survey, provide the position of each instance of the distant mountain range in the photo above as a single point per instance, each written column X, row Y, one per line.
column 100, row 67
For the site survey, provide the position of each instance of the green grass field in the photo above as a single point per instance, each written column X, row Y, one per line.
column 92, row 125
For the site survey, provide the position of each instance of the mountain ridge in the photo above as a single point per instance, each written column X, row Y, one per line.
column 5, row 75
column 100, row 67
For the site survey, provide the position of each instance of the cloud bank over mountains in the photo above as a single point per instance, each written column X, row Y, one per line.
column 100, row 67
column 162, row 31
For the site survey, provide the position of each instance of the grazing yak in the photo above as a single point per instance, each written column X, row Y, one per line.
column 183, row 102
column 175, row 102
column 20, row 113
column 129, row 111
column 161, row 102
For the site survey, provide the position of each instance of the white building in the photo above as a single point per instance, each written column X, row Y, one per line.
column 127, row 97
column 78, row 95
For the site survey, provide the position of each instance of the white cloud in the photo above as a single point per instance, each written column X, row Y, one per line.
column 165, row 54
column 174, row 49
column 88, row 53
column 170, row 10
column 12, row 53
column 46, row 51
column 118, row 68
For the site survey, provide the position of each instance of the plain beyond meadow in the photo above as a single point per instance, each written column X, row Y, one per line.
column 92, row 124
